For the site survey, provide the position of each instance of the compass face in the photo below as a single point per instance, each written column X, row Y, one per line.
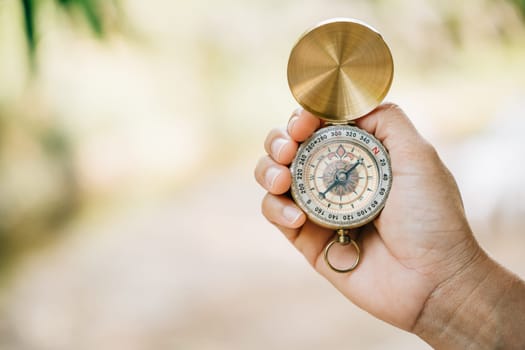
column 341, row 177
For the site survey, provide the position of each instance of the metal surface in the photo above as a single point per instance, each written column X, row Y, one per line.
column 343, row 238
column 341, row 177
column 340, row 70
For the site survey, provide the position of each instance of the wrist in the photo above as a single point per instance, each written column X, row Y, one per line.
column 482, row 306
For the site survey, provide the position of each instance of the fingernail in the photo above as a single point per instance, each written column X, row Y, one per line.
column 291, row 123
column 277, row 147
column 291, row 214
column 271, row 175
column 297, row 112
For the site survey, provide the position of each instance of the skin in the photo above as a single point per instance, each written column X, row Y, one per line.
column 422, row 269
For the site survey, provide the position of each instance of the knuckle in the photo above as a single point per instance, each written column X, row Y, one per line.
column 395, row 113
column 428, row 149
column 391, row 106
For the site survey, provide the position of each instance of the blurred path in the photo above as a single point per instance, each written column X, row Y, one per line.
column 201, row 271
column 204, row 271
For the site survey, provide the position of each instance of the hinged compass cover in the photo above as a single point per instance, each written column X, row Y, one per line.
column 340, row 70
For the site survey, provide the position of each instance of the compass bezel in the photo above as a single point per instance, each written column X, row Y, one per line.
column 305, row 197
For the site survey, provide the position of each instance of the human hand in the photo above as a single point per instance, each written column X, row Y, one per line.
column 420, row 239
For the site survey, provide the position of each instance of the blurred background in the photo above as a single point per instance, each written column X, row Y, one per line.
column 129, row 130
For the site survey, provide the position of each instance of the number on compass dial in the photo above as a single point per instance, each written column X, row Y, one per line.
column 341, row 177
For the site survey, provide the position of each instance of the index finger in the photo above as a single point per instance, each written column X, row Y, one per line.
column 302, row 124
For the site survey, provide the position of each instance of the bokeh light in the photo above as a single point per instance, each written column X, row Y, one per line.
column 129, row 216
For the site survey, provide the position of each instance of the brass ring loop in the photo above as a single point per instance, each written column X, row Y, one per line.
column 327, row 260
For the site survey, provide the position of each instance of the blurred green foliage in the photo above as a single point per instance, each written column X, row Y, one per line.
column 30, row 209
column 521, row 5
column 38, row 186
column 93, row 12
column 90, row 9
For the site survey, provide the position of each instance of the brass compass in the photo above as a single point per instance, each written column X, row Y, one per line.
column 341, row 70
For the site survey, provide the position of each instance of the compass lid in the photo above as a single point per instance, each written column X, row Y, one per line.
column 340, row 70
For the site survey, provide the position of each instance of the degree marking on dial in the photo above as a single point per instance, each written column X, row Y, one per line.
column 347, row 195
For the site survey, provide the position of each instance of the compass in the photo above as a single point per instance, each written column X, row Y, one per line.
column 341, row 70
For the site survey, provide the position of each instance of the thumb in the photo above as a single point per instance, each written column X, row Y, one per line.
column 390, row 125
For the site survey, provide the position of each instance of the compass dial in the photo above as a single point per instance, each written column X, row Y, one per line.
column 341, row 177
